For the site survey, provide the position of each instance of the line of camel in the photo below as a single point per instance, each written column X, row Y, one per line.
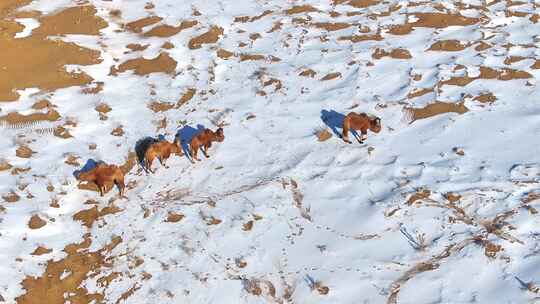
column 103, row 174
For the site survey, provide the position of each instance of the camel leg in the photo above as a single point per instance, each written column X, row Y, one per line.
column 121, row 186
column 149, row 165
column 357, row 137
column 146, row 165
column 101, row 190
column 191, row 154
column 346, row 127
column 194, row 151
column 363, row 136
column 205, row 150
column 163, row 161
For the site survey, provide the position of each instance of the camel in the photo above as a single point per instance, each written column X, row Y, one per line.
column 360, row 121
column 204, row 140
column 162, row 150
column 104, row 174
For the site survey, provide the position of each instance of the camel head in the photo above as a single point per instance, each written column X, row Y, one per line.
column 375, row 125
column 218, row 135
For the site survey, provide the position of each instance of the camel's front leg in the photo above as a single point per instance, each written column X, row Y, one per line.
column 162, row 161
column 193, row 152
column 148, row 165
column 364, row 135
column 205, row 150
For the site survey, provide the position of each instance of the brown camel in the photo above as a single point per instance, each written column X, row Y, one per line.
column 204, row 140
column 104, row 174
column 362, row 122
column 162, row 150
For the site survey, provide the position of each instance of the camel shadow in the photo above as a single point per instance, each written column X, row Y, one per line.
column 186, row 134
column 334, row 120
column 141, row 146
column 90, row 164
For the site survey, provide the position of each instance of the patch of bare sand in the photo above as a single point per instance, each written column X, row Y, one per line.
column 536, row 65
column 36, row 222
column 167, row 45
column 418, row 196
column 276, row 27
column 141, row 66
column 448, row 46
column 9, row 6
column 89, row 216
column 41, row 251
column 186, row 97
column 50, row 56
column 137, row 25
column 308, row 73
column 332, row 26
column 488, row 73
column 4, row 165
column 174, row 217
column 360, row 38
column 486, row 98
column 440, row 20
column 15, row 119
column 400, row 29
column 135, row 47
column 434, row 109
column 11, row 197
column 482, row 46
column 357, row 3
column 512, row 59
column 419, row 92
column 118, row 131
column 93, row 88
column 300, row 9
column 157, row 106
column 80, row 20
column 168, row 30
column 24, row 152
column 394, row 53
column 331, row 76
column 250, row 57
column 224, row 54
column 212, row 36
column 244, row 19
column 54, row 287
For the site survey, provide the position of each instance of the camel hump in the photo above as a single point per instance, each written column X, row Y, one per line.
column 354, row 114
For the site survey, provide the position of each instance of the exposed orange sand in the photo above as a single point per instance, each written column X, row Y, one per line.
column 49, row 56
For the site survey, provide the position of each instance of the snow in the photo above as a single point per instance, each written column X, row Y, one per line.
column 29, row 25
column 349, row 242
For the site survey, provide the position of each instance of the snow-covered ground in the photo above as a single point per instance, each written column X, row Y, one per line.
column 434, row 210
